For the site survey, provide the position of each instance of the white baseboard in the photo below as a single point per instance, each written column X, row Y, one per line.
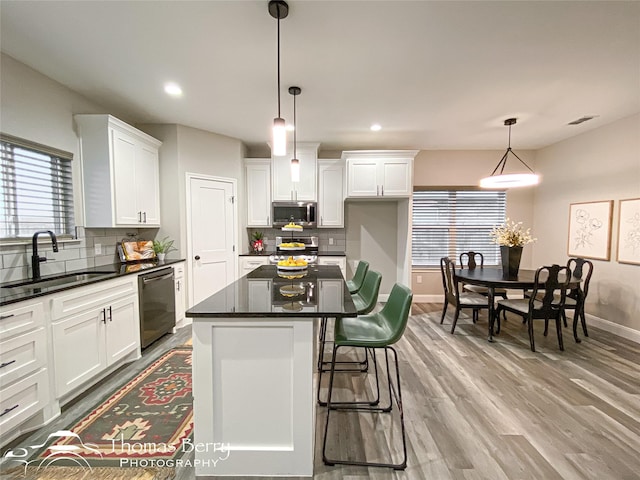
column 615, row 328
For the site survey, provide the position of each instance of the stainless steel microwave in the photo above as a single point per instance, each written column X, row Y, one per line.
column 300, row 213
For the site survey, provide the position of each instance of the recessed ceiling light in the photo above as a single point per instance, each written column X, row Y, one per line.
column 290, row 128
column 173, row 89
column 376, row 127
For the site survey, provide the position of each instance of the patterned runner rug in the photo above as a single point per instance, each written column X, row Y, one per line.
column 147, row 423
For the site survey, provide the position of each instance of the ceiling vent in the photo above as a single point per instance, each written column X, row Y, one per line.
column 580, row 120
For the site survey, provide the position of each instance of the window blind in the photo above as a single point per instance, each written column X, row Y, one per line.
column 37, row 189
column 449, row 222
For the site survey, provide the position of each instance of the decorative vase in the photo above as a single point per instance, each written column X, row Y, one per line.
column 258, row 246
column 161, row 256
column 510, row 260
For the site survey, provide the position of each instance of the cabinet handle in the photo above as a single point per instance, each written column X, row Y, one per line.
column 321, row 220
column 145, row 217
column 268, row 223
column 104, row 316
column 110, row 314
column 381, row 188
column 139, row 217
column 178, row 285
column 6, row 316
column 6, row 364
column 377, row 190
column 7, row 410
column 197, row 257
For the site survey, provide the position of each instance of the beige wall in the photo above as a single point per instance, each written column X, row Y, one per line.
column 459, row 168
column 602, row 164
column 372, row 235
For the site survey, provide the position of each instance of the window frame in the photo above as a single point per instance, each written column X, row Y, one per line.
column 453, row 230
column 62, row 195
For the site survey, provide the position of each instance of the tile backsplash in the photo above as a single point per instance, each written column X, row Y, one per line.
column 93, row 247
column 325, row 236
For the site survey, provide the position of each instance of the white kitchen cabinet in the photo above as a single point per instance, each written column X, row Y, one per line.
column 258, row 173
column 249, row 263
column 283, row 189
column 330, row 194
column 181, row 293
column 120, row 168
column 331, row 294
column 24, row 377
column 93, row 327
column 379, row 173
column 334, row 260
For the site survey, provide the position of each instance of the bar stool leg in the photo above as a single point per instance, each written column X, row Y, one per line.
column 394, row 392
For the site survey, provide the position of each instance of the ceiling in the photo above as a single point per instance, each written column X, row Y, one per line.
column 435, row 75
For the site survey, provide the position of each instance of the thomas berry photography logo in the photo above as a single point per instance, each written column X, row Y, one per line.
column 68, row 452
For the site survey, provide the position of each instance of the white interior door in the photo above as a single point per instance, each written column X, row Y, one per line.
column 212, row 223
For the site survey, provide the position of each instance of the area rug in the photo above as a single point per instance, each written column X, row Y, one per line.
column 98, row 473
column 146, row 423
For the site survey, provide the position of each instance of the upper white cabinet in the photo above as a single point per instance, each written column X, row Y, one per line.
column 330, row 194
column 286, row 190
column 120, row 173
column 379, row 173
column 258, row 172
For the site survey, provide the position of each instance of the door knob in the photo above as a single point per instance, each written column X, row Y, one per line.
column 197, row 257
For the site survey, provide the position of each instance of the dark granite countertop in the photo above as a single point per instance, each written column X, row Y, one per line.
column 87, row 276
column 317, row 291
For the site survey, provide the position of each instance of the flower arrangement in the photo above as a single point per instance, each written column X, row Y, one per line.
column 511, row 234
column 257, row 242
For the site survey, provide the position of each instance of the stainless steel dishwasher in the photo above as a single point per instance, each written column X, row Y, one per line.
column 157, row 305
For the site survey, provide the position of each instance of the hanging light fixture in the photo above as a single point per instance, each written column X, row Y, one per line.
column 504, row 180
column 279, row 10
column 295, row 163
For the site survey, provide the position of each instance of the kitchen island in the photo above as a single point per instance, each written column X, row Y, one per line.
column 254, row 345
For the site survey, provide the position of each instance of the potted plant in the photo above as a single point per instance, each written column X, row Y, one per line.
column 162, row 247
column 257, row 242
column 511, row 237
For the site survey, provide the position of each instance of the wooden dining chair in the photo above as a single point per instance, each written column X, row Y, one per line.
column 453, row 296
column 554, row 280
column 471, row 260
column 576, row 297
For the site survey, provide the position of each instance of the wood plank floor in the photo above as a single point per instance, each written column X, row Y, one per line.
column 475, row 410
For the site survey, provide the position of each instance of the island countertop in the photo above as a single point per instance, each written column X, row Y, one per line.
column 317, row 291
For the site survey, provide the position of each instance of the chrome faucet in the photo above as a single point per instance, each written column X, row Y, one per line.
column 35, row 258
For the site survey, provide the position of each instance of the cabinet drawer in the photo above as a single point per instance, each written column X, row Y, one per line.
column 22, row 399
column 91, row 297
column 178, row 270
column 21, row 318
column 22, row 355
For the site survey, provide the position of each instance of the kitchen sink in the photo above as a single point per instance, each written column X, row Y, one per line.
column 60, row 280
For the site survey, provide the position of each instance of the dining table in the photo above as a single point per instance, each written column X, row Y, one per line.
column 493, row 277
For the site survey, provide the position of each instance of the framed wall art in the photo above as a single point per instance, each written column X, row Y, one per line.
column 590, row 230
column 629, row 231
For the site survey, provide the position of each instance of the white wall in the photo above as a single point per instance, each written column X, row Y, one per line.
column 36, row 108
column 462, row 168
column 602, row 164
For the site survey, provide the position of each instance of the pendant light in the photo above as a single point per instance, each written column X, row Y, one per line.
column 502, row 180
column 279, row 10
column 295, row 163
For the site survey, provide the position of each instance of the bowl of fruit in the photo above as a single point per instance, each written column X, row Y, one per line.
column 292, row 263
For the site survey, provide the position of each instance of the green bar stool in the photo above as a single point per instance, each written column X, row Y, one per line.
column 374, row 331
column 365, row 301
column 355, row 284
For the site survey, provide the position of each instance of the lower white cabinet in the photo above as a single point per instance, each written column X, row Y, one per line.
column 24, row 377
column 334, row 260
column 181, row 293
column 250, row 263
column 93, row 327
